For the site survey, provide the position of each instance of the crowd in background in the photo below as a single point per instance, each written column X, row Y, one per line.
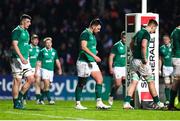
column 64, row 20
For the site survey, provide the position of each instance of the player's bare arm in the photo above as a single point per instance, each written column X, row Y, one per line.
column 58, row 64
column 143, row 50
column 37, row 69
column 16, row 48
column 111, row 57
column 84, row 47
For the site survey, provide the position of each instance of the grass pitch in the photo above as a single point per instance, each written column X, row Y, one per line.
column 64, row 110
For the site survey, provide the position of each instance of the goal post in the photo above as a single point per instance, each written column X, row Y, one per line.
column 133, row 23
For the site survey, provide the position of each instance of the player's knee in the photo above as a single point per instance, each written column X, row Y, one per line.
column 134, row 76
column 134, row 82
column 17, row 76
column 29, row 73
column 16, row 81
column 118, row 82
column 30, row 79
column 167, row 80
column 118, row 85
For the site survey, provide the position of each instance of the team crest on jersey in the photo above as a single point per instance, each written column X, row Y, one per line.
column 46, row 54
column 91, row 37
column 121, row 48
column 30, row 50
column 23, row 34
column 53, row 53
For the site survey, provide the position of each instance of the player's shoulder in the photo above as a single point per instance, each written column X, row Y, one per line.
column 144, row 31
column 17, row 29
column 117, row 43
column 162, row 46
column 54, row 50
column 43, row 49
column 176, row 30
column 37, row 47
column 85, row 32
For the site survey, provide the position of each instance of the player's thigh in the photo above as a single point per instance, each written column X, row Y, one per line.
column 176, row 64
column 38, row 73
column 28, row 72
column 96, row 73
column 51, row 76
column 83, row 69
column 134, row 66
column 45, row 74
column 167, row 71
column 119, row 72
column 16, row 68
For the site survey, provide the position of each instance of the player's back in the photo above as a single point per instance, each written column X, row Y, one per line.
column 139, row 36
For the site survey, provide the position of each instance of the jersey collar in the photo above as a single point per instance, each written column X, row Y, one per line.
column 47, row 49
column 121, row 42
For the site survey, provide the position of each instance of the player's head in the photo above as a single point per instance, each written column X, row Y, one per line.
column 48, row 42
column 166, row 39
column 152, row 24
column 25, row 21
column 123, row 36
column 34, row 39
column 95, row 25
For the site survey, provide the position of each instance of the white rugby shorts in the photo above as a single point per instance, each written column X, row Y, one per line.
column 119, row 72
column 84, row 69
column 20, row 70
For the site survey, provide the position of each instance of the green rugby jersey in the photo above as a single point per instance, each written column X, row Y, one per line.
column 47, row 58
column 119, row 50
column 88, row 36
column 33, row 54
column 22, row 36
column 175, row 38
column 139, row 36
column 166, row 53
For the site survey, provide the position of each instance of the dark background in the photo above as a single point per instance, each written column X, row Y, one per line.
column 64, row 20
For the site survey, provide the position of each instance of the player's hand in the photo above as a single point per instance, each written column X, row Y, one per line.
column 60, row 72
column 144, row 61
column 160, row 73
column 24, row 61
column 97, row 59
column 36, row 75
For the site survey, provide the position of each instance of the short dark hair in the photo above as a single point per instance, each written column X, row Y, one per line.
column 25, row 16
column 34, row 36
column 96, row 22
column 152, row 22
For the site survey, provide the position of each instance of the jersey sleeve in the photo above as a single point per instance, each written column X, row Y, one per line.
column 146, row 36
column 173, row 39
column 162, row 51
column 84, row 36
column 113, row 50
column 15, row 35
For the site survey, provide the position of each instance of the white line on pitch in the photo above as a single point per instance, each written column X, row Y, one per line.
column 43, row 115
